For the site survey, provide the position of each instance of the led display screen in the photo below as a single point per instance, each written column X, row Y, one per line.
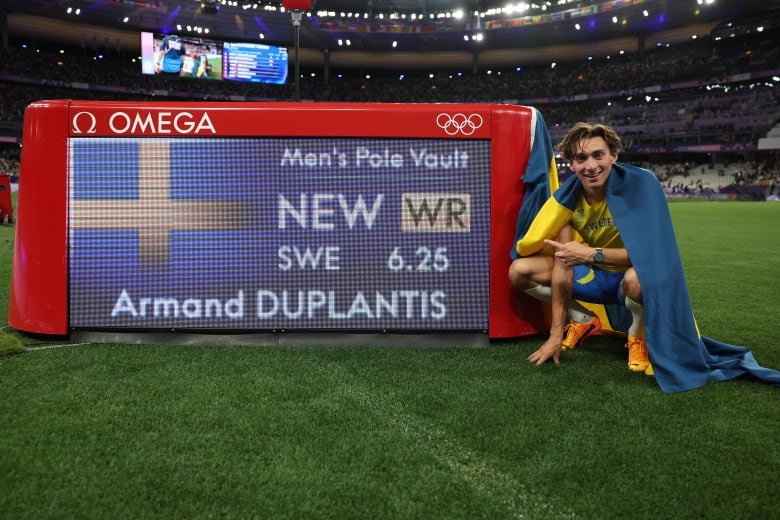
column 254, row 62
column 202, row 58
column 184, row 56
column 265, row 233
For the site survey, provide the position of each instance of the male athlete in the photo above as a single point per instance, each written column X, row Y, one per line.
column 621, row 214
column 170, row 56
column 598, row 270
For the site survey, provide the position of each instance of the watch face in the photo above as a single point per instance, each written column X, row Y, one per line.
column 598, row 257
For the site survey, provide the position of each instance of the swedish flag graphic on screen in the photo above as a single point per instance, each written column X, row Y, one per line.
column 297, row 233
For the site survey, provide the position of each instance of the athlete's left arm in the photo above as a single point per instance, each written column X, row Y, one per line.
column 573, row 252
column 617, row 256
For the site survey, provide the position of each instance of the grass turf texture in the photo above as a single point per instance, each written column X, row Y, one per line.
column 119, row 431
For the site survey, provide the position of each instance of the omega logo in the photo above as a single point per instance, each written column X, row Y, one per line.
column 148, row 123
column 83, row 117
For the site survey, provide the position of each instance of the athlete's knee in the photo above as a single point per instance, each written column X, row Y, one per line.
column 530, row 271
column 630, row 285
column 518, row 276
column 522, row 273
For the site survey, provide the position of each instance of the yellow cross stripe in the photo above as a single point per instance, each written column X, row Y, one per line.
column 154, row 214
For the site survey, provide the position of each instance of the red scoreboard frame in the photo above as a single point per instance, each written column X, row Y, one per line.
column 39, row 299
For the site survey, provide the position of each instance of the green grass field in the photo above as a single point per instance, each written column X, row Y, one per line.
column 129, row 431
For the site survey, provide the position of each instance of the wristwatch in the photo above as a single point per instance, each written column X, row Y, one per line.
column 598, row 256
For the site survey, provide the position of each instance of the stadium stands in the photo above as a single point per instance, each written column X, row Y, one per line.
column 709, row 100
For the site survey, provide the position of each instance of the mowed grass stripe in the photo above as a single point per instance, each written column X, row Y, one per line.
column 486, row 479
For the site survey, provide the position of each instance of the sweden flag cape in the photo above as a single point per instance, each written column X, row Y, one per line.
column 682, row 358
column 540, row 180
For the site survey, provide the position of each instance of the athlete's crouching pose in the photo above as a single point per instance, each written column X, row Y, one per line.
column 621, row 213
column 598, row 270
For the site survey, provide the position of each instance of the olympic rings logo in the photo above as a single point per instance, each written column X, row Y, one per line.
column 459, row 123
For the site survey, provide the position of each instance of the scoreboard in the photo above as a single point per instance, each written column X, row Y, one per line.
column 280, row 218
column 254, row 62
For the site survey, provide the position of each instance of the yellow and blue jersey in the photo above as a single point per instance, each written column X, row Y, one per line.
column 594, row 223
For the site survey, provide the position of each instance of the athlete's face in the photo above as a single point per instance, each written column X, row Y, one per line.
column 592, row 163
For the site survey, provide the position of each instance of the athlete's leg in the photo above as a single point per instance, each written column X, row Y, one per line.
column 638, row 358
column 533, row 276
column 630, row 286
column 528, row 272
column 632, row 293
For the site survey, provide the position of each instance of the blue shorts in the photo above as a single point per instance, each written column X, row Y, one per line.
column 597, row 285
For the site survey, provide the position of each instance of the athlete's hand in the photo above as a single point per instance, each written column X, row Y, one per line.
column 549, row 349
column 571, row 253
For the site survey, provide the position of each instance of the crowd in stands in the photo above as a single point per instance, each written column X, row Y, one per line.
column 756, row 179
column 704, row 97
column 9, row 160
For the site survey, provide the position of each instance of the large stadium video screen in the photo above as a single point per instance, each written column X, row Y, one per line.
column 202, row 58
column 181, row 56
column 279, row 233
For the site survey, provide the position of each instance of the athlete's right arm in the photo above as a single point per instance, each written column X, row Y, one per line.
column 561, row 285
